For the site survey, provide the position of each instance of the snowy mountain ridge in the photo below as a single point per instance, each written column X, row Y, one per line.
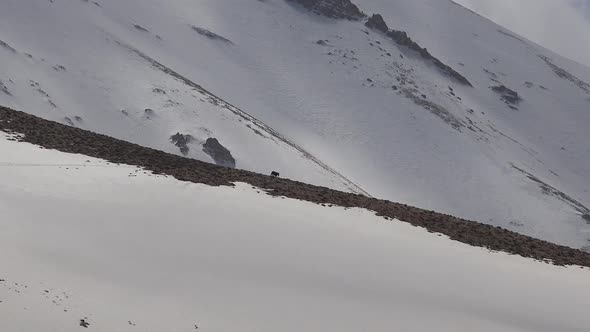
column 508, row 150
column 102, row 244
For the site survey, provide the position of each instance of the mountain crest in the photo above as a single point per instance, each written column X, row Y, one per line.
column 376, row 22
column 340, row 9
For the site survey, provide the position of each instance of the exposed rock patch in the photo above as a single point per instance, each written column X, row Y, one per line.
column 181, row 141
column 59, row 68
column 564, row 74
column 552, row 191
column 512, row 36
column 140, row 28
column 509, row 96
column 69, row 121
column 409, row 89
column 7, row 47
column 434, row 108
column 339, row 9
column 210, row 35
column 4, row 89
column 376, row 22
column 149, row 113
column 84, row 323
column 586, row 217
column 219, row 153
column 52, row 135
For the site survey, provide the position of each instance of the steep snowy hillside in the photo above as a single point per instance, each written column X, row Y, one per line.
column 80, row 247
column 429, row 104
column 67, row 61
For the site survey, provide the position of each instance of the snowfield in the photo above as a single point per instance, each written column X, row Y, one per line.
column 321, row 100
column 124, row 250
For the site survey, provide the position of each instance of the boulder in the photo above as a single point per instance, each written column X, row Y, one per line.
column 219, row 153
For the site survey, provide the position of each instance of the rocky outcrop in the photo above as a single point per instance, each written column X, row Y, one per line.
column 549, row 190
column 339, row 9
column 564, row 74
column 509, row 96
column 219, row 153
column 181, row 141
column 376, row 22
column 210, row 34
column 344, row 9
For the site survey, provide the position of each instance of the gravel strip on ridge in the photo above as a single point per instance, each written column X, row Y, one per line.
column 53, row 135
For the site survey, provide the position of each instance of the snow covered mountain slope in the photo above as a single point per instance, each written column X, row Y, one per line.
column 87, row 72
column 79, row 245
column 361, row 100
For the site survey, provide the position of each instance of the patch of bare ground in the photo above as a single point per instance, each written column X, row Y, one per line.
column 53, row 135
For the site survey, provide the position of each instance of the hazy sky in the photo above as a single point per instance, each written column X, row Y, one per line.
column 560, row 25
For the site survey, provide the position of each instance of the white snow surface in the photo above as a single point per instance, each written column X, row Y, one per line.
column 81, row 238
column 363, row 134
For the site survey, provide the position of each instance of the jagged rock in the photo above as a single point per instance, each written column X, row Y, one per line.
column 508, row 95
column 219, row 153
column 339, row 9
column 84, row 323
column 376, row 22
column 181, row 141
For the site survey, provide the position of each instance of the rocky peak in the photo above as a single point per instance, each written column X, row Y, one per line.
column 377, row 22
